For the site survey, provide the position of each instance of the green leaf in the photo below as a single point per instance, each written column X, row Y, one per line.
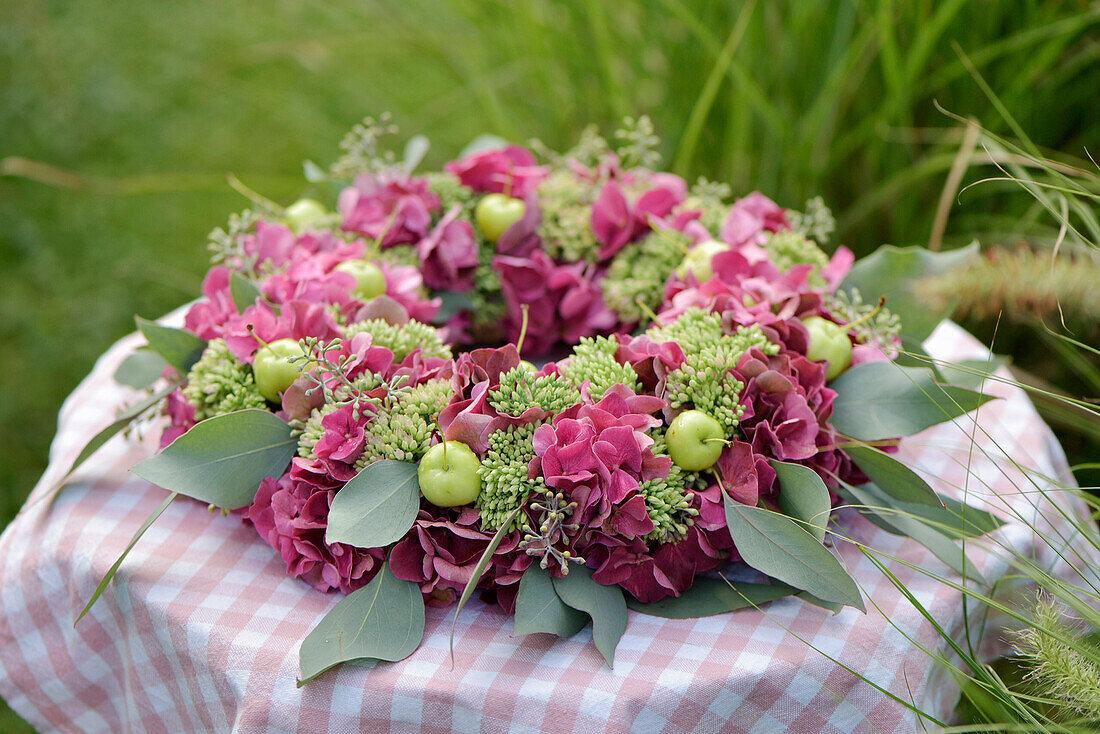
column 479, row 569
column 125, row 418
column 893, row 477
column 481, row 143
column 604, row 604
column 708, row 596
column 810, row 598
column 222, row 460
column 776, row 545
column 803, row 496
column 892, row 271
column 382, row 621
column 956, row 519
column 451, row 302
column 939, row 544
column 972, row 373
column 377, row 507
column 140, row 369
column 540, row 609
column 243, row 291
column 880, row 400
column 415, row 149
column 180, row 348
column 115, row 566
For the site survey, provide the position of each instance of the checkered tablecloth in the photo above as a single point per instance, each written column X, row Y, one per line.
column 200, row 629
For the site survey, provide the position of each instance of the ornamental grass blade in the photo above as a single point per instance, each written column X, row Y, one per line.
column 243, row 291
column 382, row 621
column 893, row 477
column 479, row 569
column 180, row 348
column 540, row 609
column 124, row 419
column 803, row 496
column 604, row 604
column 115, row 566
column 882, row 400
column 937, row 543
column 708, row 596
column 222, row 460
column 376, row 507
column 776, row 545
column 140, row 369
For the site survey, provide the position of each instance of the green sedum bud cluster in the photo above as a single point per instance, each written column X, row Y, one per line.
column 404, row 255
column 815, row 222
column 639, row 271
column 789, row 248
column 668, row 504
column 220, row 383
column 519, row 390
column 397, row 434
column 566, row 227
column 504, row 482
column 712, row 199
column 452, row 193
column 706, row 380
column 427, row 399
column 594, row 360
column 402, row 340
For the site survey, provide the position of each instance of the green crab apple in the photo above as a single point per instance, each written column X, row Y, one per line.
column 828, row 341
column 450, row 474
column 698, row 259
column 273, row 370
column 371, row 281
column 305, row 214
column 495, row 213
column 695, row 440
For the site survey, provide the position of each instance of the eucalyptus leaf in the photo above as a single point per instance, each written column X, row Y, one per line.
column 451, row 302
column 540, row 609
column 881, row 400
column 125, row 418
column 972, row 373
column 956, row 519
column 222, row 460
column 384, row 620
column 811, row 599
column 776, row 545
column 243, row 291
column 415, row 150
column 479, row 570
column 313, row 173
column 893, row 477
column 482, row 143
column 604, row 604
column 892, row 272
column 140, row 369
column 803, row 496
column 180, row 348
column 129, row 547
column 939, row 544
column 376, row 507
column 708, row 596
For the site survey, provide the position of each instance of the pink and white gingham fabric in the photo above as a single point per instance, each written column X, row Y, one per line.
column 200, row 629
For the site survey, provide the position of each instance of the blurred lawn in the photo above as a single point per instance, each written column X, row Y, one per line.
column 151, row 104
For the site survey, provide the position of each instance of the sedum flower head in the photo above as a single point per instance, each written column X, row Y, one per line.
column 402, row 340
column 816, row 222
column 594, row 360
column 668, row 504
column 789, row 248
column 451, row 192
column 706, row 379
column 397, row 434
column 427, row 399
column 312, row 431
column 639, row 271
column 504, row 482
column 220, row 383
column 712, row 199
column 519, row 390
column 566, row 227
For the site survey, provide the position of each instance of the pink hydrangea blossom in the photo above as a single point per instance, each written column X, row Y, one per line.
column 390, row 209
column 511, row 170
column 449, row 254
column 617, row 221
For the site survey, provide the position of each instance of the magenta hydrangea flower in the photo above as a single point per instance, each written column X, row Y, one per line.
column 208, row 317
column 295, row 320
column 617, row 221
column 391, row 209
column 511, row 170
column 449, row 254
column 752, row 216
column 291, row 515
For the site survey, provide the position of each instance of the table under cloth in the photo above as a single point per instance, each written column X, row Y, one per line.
column 200, row 629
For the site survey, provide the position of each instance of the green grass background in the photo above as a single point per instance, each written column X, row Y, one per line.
column 151, row 104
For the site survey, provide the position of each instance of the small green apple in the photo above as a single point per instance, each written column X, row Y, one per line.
column 304, row 215
column 828, row 341
column 698, row 259
column 495, row 213
column 695, row 440
column 450, row 474
column 371, row 282
column 273, row 370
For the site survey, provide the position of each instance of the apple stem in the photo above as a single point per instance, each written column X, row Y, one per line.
column 378, row 242
column 867, row 317
column 508, row 181
column 645, row 308
column 717, row 440
column 257, row 337
column 522, row 329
